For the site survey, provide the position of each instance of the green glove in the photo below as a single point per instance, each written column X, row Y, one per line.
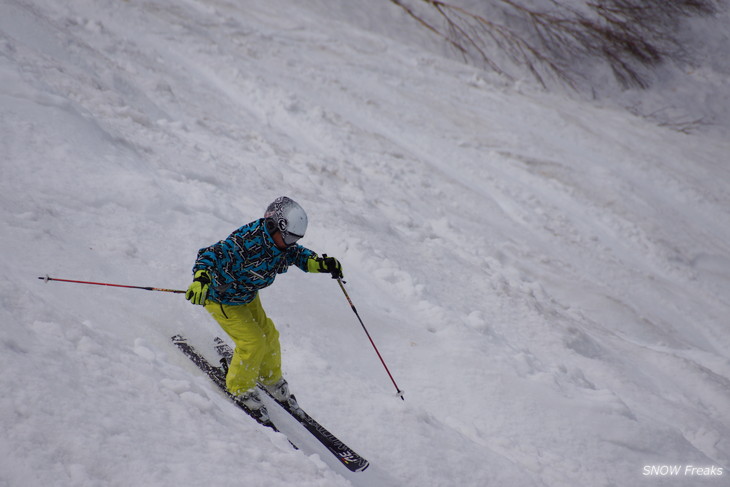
column 198, row 290
column 326, row 264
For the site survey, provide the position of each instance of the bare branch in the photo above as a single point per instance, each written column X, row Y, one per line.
column 629, row 36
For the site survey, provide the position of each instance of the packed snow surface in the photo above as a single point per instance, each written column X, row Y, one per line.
column 548, row 282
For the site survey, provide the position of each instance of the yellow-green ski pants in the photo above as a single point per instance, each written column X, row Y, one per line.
column 257, row 356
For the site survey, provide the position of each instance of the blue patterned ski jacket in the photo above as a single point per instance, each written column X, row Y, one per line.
column 247, row 261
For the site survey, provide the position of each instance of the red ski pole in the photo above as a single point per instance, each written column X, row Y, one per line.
column 399, row 393
column 146, row 288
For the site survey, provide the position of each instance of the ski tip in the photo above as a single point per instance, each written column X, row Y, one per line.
column 178, row 339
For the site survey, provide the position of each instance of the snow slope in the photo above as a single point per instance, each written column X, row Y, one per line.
column 547, row 281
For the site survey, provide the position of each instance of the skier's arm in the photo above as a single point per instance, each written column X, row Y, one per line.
column 197, row 292
column 206, row 258
column 308, row 261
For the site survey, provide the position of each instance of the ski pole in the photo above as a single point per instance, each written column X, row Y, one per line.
column 146, row 288
column 342, row 286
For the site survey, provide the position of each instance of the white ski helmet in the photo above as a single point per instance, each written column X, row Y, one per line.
column 286, row 216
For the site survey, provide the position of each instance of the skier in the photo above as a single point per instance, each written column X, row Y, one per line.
column 227, row 278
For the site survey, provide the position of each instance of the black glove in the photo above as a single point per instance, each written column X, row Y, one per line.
column 330, row 265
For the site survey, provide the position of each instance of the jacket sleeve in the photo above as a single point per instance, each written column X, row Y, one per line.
column 300, row 256
column 206, row 258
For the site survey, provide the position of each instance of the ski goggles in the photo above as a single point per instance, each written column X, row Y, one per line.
column 290, row 238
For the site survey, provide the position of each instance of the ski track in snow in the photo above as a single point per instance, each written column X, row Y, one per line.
column 547, row 281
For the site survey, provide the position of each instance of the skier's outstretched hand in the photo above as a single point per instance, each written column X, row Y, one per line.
column 329, row 265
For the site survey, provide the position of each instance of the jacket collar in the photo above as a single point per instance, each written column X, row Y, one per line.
column 269, row 240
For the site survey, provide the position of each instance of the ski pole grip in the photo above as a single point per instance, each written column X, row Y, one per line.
column 324, row 257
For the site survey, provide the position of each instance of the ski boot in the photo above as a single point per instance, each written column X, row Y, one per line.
column 280, row 392
column 251, row 401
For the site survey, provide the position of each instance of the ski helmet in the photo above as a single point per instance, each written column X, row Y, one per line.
column 285, row 215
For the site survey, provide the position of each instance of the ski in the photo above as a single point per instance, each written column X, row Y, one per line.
column 216, row 374
column 351, row 460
